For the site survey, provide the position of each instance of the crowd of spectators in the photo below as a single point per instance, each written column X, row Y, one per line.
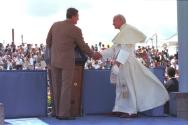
column 22, row 57
column 29, row 57
column 149, row 56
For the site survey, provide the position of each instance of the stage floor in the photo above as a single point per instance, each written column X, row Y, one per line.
column 99, row 120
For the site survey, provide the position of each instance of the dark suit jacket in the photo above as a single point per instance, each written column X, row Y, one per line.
column 62, row 39
column 172, row 85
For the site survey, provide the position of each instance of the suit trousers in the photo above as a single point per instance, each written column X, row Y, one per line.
column 62, row 80
column 51, row 91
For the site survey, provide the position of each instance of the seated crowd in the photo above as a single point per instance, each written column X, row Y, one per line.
column 28, row 56
column 149, row 56
column 22, row 57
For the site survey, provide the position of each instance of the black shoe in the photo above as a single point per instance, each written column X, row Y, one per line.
column 65, row 118
column 51, row 114
column 115, row 114
column 125, row 115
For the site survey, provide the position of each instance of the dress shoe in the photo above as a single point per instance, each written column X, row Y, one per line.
column 65, row 118
column 126, row 115
column 52, row 114
column 115, row 114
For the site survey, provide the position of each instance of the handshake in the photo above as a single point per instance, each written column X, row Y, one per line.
column 115, row 67
column 96, row 56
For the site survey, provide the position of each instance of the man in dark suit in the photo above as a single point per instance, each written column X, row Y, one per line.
column 62, row 39
column 172, row 85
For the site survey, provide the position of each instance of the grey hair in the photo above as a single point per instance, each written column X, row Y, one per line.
column 121, row 17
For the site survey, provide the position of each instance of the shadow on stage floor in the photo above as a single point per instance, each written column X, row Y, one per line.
column 99, row 120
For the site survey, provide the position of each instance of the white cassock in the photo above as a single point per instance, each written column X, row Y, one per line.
column 137, row 88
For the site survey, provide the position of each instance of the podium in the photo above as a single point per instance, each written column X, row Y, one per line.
column 80, row 59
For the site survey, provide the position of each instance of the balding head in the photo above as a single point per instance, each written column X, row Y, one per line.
column 120, row 17
column 118, row 21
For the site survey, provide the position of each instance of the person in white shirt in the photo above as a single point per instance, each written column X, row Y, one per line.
column 137, row 89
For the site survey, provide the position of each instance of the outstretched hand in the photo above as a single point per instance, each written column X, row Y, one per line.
column 97, row 56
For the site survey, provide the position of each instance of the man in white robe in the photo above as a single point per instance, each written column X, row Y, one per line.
column 137, row 89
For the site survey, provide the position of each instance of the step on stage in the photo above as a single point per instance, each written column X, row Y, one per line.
column 99, row 120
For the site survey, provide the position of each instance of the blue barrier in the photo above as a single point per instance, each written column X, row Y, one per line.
column 99, row 93
column 159, row 72
column 23, row 93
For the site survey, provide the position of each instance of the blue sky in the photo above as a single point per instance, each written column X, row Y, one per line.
column 33, row 18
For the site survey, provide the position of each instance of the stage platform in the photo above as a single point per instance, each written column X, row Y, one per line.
column 27, row 104
column 99, row 120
